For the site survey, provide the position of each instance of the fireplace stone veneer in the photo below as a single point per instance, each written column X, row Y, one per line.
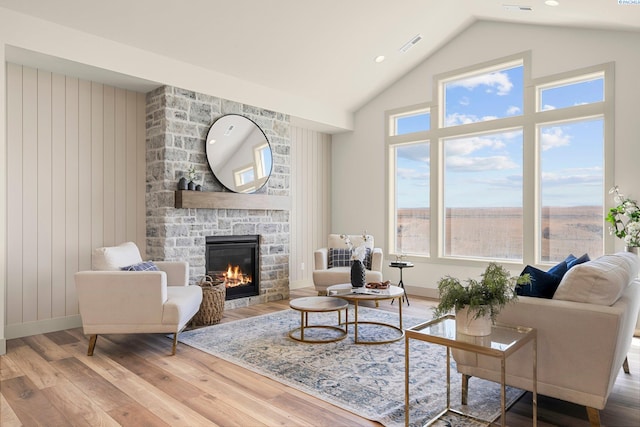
column 177, row 122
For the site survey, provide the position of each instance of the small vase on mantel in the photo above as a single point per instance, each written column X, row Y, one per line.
column 632, row 249
column 358, row 274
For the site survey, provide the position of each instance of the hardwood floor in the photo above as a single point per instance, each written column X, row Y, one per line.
column 48, row 380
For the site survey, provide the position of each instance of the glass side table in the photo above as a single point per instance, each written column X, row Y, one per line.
column 503, row 342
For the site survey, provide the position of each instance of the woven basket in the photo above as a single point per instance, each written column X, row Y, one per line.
column 212, row 307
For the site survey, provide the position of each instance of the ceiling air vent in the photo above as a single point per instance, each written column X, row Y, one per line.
column 517, row 8
column 408, row 45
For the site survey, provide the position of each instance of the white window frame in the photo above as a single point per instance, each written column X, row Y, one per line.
column 528, row 121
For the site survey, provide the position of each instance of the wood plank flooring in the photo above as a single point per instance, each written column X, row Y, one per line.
column 48, row 380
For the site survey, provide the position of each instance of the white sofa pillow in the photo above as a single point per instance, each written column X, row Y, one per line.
column 112, row 258
column 600, row 281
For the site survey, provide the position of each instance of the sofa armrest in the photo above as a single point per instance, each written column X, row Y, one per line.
column 377, row 256
column 136, row 297
column 321, row 259
column 177, row 272
column 580, row 347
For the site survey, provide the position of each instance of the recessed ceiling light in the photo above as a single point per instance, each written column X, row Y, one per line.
column 379, row 58
column 552, row 3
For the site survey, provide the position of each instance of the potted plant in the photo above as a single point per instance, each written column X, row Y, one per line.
column 624, row 220
column 477, row 303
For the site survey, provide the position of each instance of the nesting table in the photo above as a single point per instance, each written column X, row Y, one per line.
column 355, row 295
column 318, row 305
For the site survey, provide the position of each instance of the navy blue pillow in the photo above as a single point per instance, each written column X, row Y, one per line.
column 543, row 284
column 575, row 261
column 143, row 266
column 559, row 269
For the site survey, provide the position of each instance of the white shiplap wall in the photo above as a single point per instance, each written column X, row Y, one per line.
column 311, row 201
column 75, row 181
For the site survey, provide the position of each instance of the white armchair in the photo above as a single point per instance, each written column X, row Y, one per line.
column 325, row 275
column 113, row 301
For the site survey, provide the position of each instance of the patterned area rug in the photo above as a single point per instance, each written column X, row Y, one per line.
column 367, row 380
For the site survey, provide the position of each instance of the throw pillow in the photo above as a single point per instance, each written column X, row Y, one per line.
column 559, row 269
column 600, row 281
column 543, row 283
column 573, row 261
column 141, row 266
column 339, row 257
column 112, row 258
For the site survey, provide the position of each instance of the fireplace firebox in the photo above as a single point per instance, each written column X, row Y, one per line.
column 234, row 261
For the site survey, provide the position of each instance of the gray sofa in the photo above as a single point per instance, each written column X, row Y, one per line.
column 584, row 334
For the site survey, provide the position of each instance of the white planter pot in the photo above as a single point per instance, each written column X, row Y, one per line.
column 467, row 324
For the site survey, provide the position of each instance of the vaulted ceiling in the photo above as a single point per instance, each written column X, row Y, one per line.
column 321, row 50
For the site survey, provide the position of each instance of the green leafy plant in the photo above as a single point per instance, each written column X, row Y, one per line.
column 486, row 296
column 624, row 218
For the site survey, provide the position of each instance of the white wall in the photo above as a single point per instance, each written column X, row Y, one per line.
column 358, row 159
column 310, row 201
column 75, row 181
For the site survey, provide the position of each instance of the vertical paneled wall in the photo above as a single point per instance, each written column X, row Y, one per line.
column 76, row 181
column 311, row 202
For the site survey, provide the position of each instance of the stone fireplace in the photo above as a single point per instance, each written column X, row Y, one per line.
column 177, row 122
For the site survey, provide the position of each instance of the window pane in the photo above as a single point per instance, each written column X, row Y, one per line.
column 572, row 189
column 482, row 97
column 572, row 94
column 483, row 196
column 413, row 122
column 412, row 199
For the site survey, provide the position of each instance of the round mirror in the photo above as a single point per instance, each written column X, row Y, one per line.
column 239, row 153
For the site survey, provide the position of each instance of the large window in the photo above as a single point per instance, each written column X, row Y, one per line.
column 501, row 166
column 483, row 195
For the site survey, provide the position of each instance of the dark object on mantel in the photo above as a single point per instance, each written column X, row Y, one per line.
column 182, row 183
column 227, row 200
column 191, row 186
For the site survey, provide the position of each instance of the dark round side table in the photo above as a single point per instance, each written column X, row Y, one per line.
column 401, row 265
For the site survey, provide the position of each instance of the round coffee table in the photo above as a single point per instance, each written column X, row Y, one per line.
column 355, row 295
column 308, row 305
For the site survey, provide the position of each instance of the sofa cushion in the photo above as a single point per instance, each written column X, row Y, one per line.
column 600, row 281
column 142, row 266
column 113, row 258
column 543, row 283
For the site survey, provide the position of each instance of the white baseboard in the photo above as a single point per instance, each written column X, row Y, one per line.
column 41, row 326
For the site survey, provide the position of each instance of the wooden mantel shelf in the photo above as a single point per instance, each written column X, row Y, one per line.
column 186, row 199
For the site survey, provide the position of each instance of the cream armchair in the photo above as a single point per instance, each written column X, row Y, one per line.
column 325, row 275
column 113, row 301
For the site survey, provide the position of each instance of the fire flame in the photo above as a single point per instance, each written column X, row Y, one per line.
column 235, row 277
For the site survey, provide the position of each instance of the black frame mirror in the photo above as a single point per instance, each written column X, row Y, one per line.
column 239, row 153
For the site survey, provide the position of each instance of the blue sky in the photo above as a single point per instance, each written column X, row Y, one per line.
column 486, row 170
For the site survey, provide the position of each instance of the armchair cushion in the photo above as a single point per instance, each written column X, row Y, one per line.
column 142, row 266
column 113, row 258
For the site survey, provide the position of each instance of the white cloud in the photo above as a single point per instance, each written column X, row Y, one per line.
column 412, row 174
column 465, row 101
column 477, row 164
column 456, row 119
column 582, row 176
column 466, row 146
column 498, row 81
column 513, row 110
column 547, row 107
column 554, row 137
